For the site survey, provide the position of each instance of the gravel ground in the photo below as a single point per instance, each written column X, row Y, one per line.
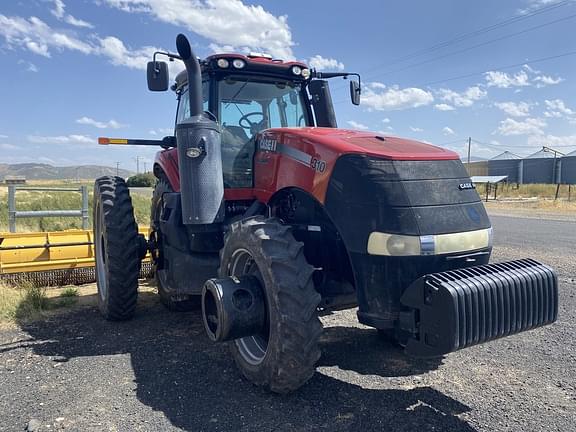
column 77, row 372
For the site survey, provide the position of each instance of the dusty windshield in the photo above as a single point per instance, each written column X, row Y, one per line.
column 246, row 108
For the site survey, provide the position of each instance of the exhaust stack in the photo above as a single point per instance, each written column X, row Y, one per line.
column 199, row 151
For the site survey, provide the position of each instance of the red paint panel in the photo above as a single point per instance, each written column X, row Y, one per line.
column 305, row 157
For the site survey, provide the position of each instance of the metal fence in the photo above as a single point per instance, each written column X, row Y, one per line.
column 14, row 214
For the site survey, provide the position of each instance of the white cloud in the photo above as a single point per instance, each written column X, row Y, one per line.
column 224, row 22
column 529, row 126
column 515, row 109
column 6, row 146
column 119, row 55
column 37, row 36
column 552, row 141
column 524, row 78
column 448, row 131
column 356, row 125
column 3, row 136
column 464, row 99
column 558, row 109
column 61, row 139
column 58, row 10
column 161, row 131
column 444, row 107
column 379, row 97
column 30, row 67
column 416, row 129
column 111, row 124
column 535, row 4
column 504, row 80
column 544, row 80
column 386, row 120
column 321, row 63
column 60, row 13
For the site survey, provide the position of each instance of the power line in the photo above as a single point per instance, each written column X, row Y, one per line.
column 464, row 36
column 483, row 30
column 479, row 45
column 503, row 146
column 510, row 66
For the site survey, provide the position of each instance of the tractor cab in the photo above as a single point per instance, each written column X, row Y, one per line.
column 247, row 94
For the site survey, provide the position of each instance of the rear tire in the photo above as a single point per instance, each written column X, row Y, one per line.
column 188, row 303
column 266, row 249
column 117, row 249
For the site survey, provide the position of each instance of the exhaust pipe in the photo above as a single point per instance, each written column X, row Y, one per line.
column 233, row 308
column 199, row 151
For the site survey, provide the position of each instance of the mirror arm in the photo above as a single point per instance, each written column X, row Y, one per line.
column 345, row 75
column 170, row 56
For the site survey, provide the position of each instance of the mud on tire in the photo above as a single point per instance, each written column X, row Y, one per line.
column 116, row 249
column 293, row 328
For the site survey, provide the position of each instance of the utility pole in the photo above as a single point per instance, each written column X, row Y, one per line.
column 554, row 179
column 117, row 170
column 469, row 145
column 145, row 167
column 137, row 158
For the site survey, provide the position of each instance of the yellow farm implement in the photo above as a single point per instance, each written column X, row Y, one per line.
column 51, row 258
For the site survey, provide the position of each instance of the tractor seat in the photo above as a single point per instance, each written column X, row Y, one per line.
column 233, row 136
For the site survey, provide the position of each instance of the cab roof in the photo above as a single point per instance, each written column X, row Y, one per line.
column 255, row 64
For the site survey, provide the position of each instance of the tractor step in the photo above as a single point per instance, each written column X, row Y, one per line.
column 460, row 308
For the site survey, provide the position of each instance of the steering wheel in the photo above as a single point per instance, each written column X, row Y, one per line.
column 246, row 123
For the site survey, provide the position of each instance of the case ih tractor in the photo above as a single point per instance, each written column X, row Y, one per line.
column 267, row 215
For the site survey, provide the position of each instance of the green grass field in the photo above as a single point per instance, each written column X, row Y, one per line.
column 60, row 201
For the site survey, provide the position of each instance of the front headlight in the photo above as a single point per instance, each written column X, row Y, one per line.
column 393, row 244
column 439, row 244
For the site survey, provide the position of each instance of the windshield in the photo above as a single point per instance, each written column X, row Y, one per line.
column 248, row 107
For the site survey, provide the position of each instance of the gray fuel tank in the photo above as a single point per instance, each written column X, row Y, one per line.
column 200, row 166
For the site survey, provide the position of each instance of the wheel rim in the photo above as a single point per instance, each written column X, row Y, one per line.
column 99, row 246
column 253, row 349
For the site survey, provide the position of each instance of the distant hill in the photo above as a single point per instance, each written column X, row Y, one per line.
column 38, row 171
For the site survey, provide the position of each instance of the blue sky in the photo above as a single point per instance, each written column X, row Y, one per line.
column 499, row 71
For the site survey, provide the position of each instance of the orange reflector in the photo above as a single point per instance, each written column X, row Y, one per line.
column 106, row 141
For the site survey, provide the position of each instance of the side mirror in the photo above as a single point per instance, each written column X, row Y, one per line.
column 355, row 91
column 157, row 74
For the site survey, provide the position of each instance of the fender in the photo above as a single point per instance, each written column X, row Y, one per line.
column 166, row 164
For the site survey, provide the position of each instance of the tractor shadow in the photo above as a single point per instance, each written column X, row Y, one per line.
column 361, row 350
column 196, row 386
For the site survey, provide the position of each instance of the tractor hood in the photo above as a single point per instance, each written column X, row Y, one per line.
column 346, row 141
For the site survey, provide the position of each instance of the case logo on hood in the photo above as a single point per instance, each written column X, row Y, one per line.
column 464, row 186
column 272, row 145
column 267, row 144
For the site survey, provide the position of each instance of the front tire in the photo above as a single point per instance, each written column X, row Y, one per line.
column 117, row 249
column 283, row 357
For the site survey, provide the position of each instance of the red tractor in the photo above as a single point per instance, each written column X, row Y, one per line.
column 267, row 215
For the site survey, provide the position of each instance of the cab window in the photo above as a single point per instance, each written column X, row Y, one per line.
column 184, row 103
column 247, row 108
